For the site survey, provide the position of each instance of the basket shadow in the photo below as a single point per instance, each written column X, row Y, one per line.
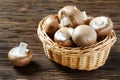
column 67, row 69
column 75, row 73
column 29, row 69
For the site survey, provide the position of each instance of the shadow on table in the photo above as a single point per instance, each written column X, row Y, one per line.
column 67, row 69
column 29, row 69
column 79, row 74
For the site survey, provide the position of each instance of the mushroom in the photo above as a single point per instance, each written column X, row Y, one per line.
column 84, row 35
column 86, row 18
column 20, row 56
column 102, row 25
column 63, row 36
column 50, row 25
column 70, row 16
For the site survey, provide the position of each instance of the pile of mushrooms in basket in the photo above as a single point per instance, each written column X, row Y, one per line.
column 72, row 28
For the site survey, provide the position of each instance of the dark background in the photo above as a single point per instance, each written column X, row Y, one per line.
column 18, row 23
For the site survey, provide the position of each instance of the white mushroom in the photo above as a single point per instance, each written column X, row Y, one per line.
column 70, row 16
column 63, row 36
column 84, row 35
column 20, row 56
column 50, row 25
column 102, row 25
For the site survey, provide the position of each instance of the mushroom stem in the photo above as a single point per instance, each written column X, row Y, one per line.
column 99, row 22
column 65, row 21
column 84, row 15
column 22, row 48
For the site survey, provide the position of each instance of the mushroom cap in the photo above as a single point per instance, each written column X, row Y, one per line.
column 102, row 25
column 50, row 25
column 73, row 14
column 84, row 35
column 63, row 37
column 19, row 60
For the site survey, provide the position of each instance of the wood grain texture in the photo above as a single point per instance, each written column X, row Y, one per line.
column 19, row 21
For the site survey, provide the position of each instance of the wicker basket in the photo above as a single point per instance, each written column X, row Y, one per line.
column 87, row 58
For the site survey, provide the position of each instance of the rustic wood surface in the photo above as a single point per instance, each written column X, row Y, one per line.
column 18, row 23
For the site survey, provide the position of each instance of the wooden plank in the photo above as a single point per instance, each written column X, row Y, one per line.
column 18, row 23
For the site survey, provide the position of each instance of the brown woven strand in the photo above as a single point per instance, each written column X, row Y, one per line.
column 87, row 58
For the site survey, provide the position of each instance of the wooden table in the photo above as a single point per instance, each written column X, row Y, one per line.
column 18, row 23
